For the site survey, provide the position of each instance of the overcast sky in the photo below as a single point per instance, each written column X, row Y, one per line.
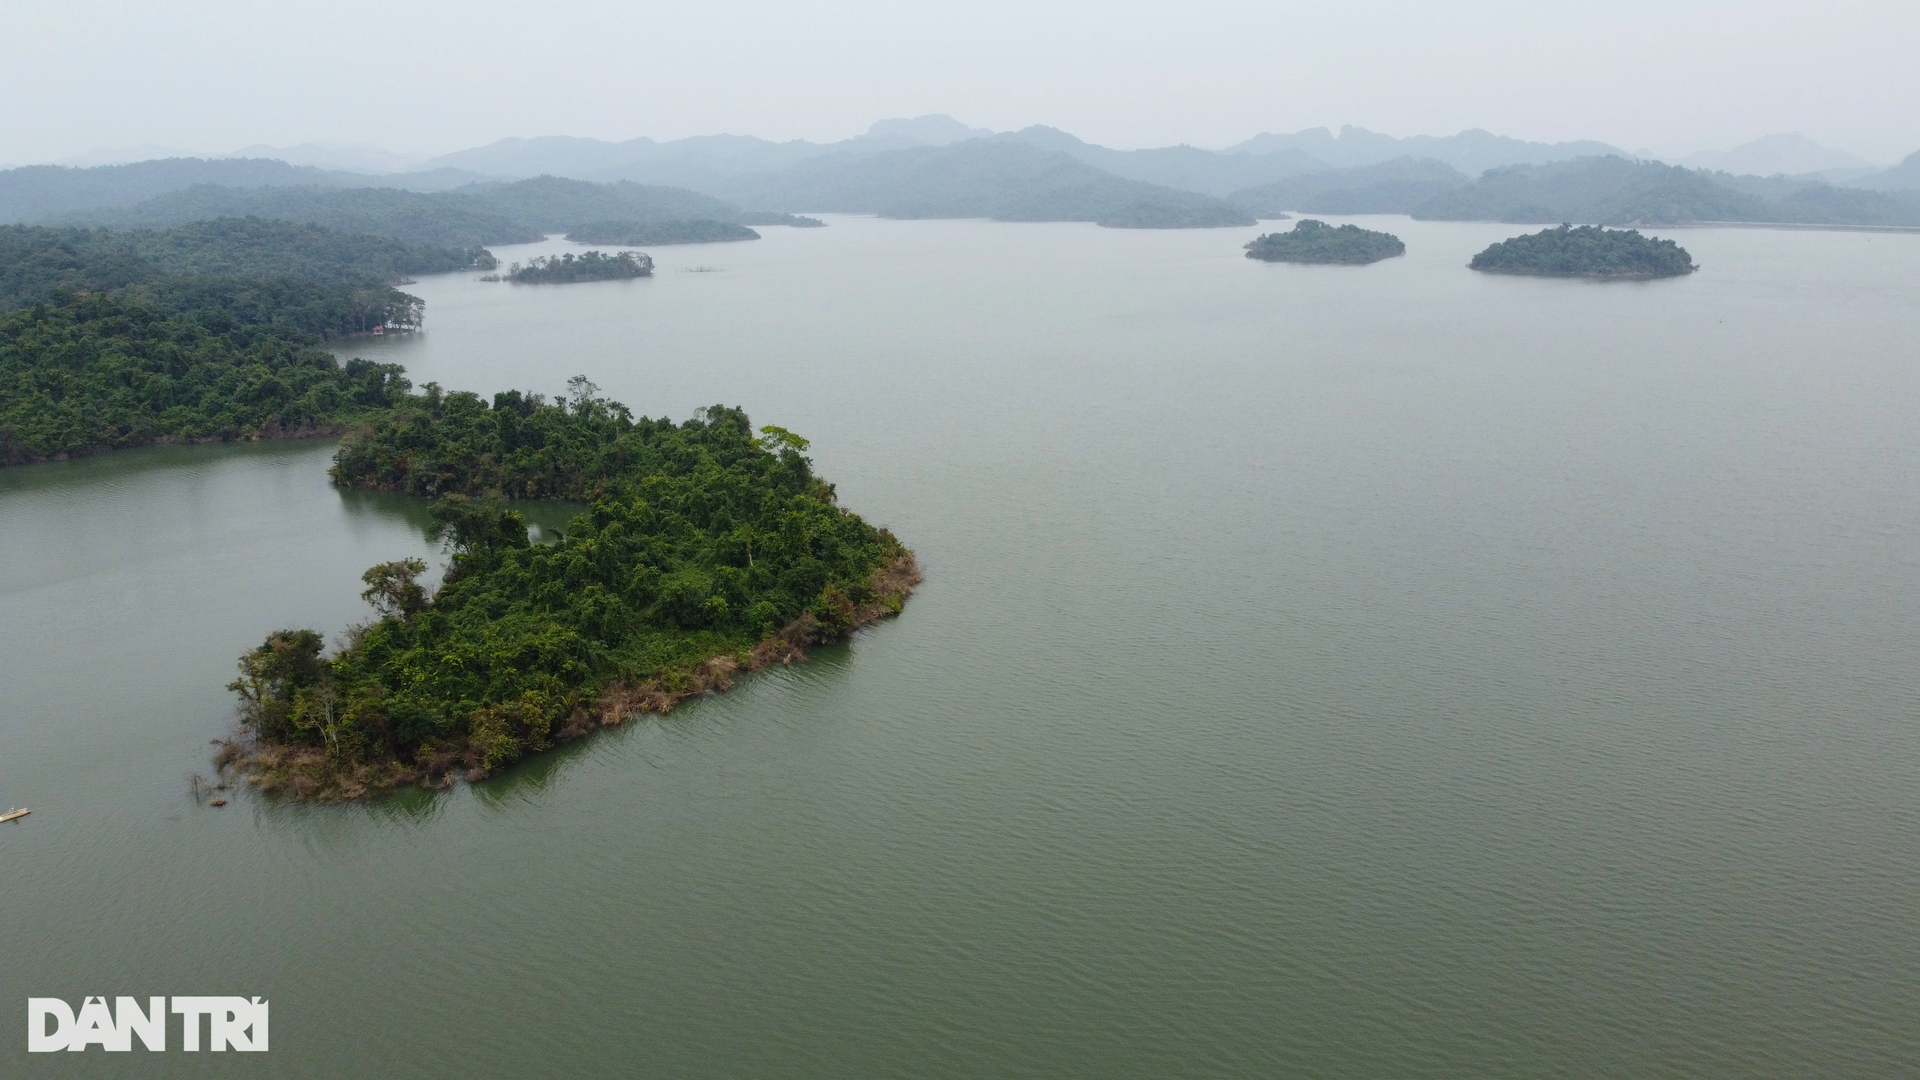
column 435, row 75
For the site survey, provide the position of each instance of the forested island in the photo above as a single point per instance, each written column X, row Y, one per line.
column 114, row 340
column 1311, row 241
column 649, row 233
column 592, row 266
column 1587, row 251
column 708, row 551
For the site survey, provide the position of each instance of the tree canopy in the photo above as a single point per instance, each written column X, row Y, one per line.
column 593, row 266
column 1311, row 241
column 102, row 373
column 706, row 549
column 1587, row 251
column 39, row 262
column 126, row 339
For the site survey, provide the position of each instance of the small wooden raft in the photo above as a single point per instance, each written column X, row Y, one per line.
column 12, row 814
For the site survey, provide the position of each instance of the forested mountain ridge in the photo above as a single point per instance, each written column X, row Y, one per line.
column 1616, row 191
column 990, row 178
column 43, row 193
column 403, row 215
column 39, row 262
column 1472, row 152
column 1389, row 187
column 473, row 216
column 1606, row 190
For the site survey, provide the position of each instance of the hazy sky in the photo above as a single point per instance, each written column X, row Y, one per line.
column 433, row 76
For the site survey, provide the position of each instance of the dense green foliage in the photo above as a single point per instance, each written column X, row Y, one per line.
column 124, row 339
column 592, row 266
column 638, row 233
column 702, row 541
column 522, row 446
column 1588, row 251
column 38, row 263
column 1390, row 187
column 1312, row 241
column 100, row 372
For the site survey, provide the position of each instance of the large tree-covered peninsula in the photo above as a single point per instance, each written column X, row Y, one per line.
column 119, row 340
column 707, row 551
column 1588, row 251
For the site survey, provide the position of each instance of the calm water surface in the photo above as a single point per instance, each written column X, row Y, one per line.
column 1321, row 672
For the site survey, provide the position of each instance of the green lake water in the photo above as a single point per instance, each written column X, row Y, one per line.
column 1321, row 672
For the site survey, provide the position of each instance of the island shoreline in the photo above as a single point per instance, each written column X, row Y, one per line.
column 306, row 774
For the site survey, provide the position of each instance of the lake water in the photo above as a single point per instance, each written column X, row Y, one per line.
column 1321, row 672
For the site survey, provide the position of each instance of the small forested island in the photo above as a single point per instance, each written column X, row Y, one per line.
column 593, row 266
column 1311, row 241
column 649, row 233
column 708, row 551
column 1588, row 251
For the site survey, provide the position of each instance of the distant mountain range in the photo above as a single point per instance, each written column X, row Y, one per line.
column 715, row 162
column 1472, row 152
column 44, row 192
column 1612, row 190
column 1792, row 154
column 473, row 216
column 1388, row 187
column 1006, row 179
column 933, row 166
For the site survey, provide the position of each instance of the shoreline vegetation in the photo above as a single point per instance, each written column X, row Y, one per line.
column 1587, row 251
column 1311, row 241
column 207, row 333
column 707, row 551
column 568, row 268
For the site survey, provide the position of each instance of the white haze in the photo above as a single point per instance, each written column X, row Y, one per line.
column 421, row 78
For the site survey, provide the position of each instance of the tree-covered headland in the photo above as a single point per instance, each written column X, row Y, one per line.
column 209, row 332
column 1587, row 251
column 708, row 550
column 592, row 266
column 1311, row 241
